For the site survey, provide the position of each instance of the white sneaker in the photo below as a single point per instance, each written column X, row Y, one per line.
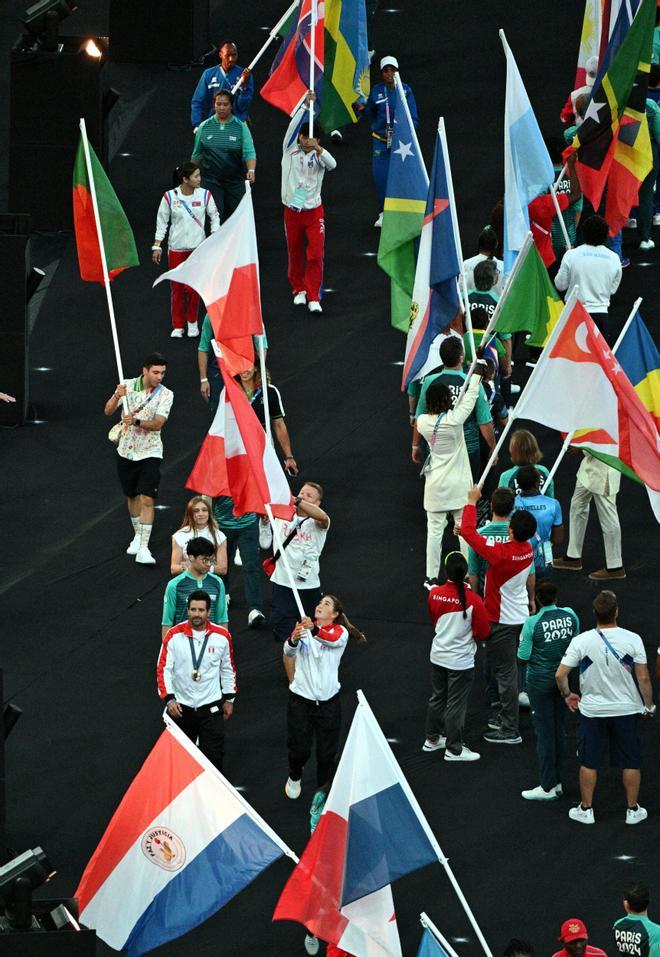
column 635, row 815
column 465, row 755
column 300, row 299
column 237, row 558
column 311, row 944
column 134, row 547
column 314, row 306
column 193, row 330
column 559, row 790
column 434, row 745
column 515, row 389
column 656, row 219
column 583, row 815
column 292, row 789
column 256, row 618
column 379, row 221
column 144, row 557
column 265, row 534
column 631, row 223
column 538, row 794
column 523, row 700
column 647, row 244
column 176, row 334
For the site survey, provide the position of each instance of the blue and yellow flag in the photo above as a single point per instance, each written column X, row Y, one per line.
column 639, row 358
column 346, row 70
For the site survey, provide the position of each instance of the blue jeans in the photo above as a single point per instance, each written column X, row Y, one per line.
column 548, row 713
column 614, row 243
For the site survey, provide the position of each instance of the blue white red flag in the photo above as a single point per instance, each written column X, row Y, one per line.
column 290, row 75
column 180, row 845
column 435, row 300
column 371, row 832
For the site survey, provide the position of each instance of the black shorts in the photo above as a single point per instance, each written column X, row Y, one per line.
column 139, row 478
column 620, row 733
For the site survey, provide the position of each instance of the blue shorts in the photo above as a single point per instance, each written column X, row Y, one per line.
column 621, row 734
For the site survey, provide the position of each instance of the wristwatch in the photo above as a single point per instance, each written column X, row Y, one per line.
column 566, row 694
column 137, row 422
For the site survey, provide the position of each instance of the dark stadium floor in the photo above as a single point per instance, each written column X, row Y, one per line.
column 82, row 621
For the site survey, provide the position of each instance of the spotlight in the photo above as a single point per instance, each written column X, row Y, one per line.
column 92, row 50
column 18, row 879
column 33, row 282
column 42, row 22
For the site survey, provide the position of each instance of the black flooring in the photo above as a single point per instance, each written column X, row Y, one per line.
column 81, row 620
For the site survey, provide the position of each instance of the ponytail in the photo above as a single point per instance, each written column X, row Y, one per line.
column 456, row 567
column 342, row 620
column 185, row 170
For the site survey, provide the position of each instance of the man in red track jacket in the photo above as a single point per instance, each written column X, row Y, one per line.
column 508, row 596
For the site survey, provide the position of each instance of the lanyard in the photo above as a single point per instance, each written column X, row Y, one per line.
column 197, row 661
column 387, row 108
column 612, row 649
column 190, row 212
column 435, row 429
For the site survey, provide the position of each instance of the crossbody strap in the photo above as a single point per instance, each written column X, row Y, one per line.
column 289, row 539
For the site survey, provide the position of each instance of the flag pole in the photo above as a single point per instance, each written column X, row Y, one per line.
column 428, row 924
column 568, row 305
column 560, row 217
column 457, row 235
column 312, row 64
column 569, row 437
column 104, row 263
column 264, row 386
column 285, row 561
column 271, row 36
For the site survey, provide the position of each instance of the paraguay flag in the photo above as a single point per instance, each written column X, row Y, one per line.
column 180, row 845
column 435, row 300
column 371, row 832
column 290, row 75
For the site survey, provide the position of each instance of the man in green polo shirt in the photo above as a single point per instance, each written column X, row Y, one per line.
column 224, row 150
column 201, row 553
column 635, row 935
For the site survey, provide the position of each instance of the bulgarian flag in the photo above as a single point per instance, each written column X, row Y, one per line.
column 530, row 302
column 237, row 458
column 118, row 239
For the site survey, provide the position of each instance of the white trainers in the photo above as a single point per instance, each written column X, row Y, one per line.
column 314, row 306
column 300, row 299
column 523, row 700
column 134, row 547
column 430, row 745
column 631, row 223
column 636, row 814
column 379, row 222
column 265, row 534
column 144, row 557
column 193, row 330
column 538, row 794
column 176, row 334
column 582, row 814
column 656, row 219
column 237, row 558
column 292, row 789
column 465, row 755
column 256, row 619
column 647, row 244
column 311, row 944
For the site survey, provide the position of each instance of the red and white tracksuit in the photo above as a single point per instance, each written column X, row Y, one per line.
column 304, row 223
column 186, row 218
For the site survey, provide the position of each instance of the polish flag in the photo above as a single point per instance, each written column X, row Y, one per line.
column 224, row 271
column 237, row 459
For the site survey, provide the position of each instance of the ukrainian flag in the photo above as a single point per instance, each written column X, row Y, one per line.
column 346, row 69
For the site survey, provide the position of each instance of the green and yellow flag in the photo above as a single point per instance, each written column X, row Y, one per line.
column 346, row 68
column 531, row 303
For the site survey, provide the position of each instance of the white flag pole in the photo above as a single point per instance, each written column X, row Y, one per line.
column 560, row 217
column 285, row 561
column 264, row 387
column 428, row 924
column 569, row 437
column 271, row 36
column 104, row 264
column 312, row 64
column 457, row 236
column 568, row 305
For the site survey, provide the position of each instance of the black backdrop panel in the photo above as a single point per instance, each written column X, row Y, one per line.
column 158, row 31
column 13, row 328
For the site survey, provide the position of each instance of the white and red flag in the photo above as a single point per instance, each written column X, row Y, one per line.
column 224, row 270
column 578, row 386
column 237, row 458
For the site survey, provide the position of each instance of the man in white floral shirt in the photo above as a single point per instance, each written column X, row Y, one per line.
column 140, row 447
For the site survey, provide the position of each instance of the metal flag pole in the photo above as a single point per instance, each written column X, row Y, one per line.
column 428, row 924
column 312, row 64
column 271, row 36
column 569, row 437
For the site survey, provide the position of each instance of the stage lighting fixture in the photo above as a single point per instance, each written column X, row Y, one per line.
column 18, row 879
column 91, row 49
column 33, row 282
column 42, row 21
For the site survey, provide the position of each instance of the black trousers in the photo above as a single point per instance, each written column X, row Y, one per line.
column 307, row 720
column 448, row 705
column 284, row 612
column 206, row 729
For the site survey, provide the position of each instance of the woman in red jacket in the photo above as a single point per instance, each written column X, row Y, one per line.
column 460, row 621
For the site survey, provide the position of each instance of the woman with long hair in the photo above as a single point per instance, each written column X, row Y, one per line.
column 184, row 211
column 460, row 620
column 198, row 522
column 524, row 450
column 314, row 710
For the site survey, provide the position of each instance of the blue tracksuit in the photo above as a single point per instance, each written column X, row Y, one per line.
column 211, row 82
column 381, row 100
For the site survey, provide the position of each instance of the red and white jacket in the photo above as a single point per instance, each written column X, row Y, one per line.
column 454, row 645
column 317, row 662
column 186, row 218
column 505, row 591
column 217, row 669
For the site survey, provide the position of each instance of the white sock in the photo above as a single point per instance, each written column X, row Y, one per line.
column 145, row 535
column 135, row 522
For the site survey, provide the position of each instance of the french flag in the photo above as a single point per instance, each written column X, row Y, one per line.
column 237, row 458
column 180, row 845
column 224, row 271
column 371, row 832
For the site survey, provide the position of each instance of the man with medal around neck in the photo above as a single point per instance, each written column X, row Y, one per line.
column 196, row 677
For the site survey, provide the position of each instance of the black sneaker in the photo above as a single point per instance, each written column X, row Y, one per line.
column 503, row 737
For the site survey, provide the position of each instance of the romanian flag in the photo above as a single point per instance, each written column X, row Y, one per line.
column 612, row 143
column 118, row 239
column 530, row 302
column 290, row 74
column 346, row 69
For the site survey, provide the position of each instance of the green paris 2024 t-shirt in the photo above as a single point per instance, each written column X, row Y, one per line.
column 545, row 637
column 637, row 936
column 480, row 415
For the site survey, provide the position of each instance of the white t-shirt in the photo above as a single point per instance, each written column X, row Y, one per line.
column 303, row 553
column 607, row 687
column 184, row 535
column 470, row 264
column 596, row 270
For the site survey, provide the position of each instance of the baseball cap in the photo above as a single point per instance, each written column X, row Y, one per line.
column 389, row 61
column 592, row 66
column 573, row 929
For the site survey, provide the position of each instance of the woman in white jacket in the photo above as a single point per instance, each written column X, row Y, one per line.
column 314, row 710
column 447, row 470
column 184, row 210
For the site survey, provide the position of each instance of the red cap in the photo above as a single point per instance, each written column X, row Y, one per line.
column 573, row 929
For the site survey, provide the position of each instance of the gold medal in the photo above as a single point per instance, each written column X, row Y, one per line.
column 196, row 675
